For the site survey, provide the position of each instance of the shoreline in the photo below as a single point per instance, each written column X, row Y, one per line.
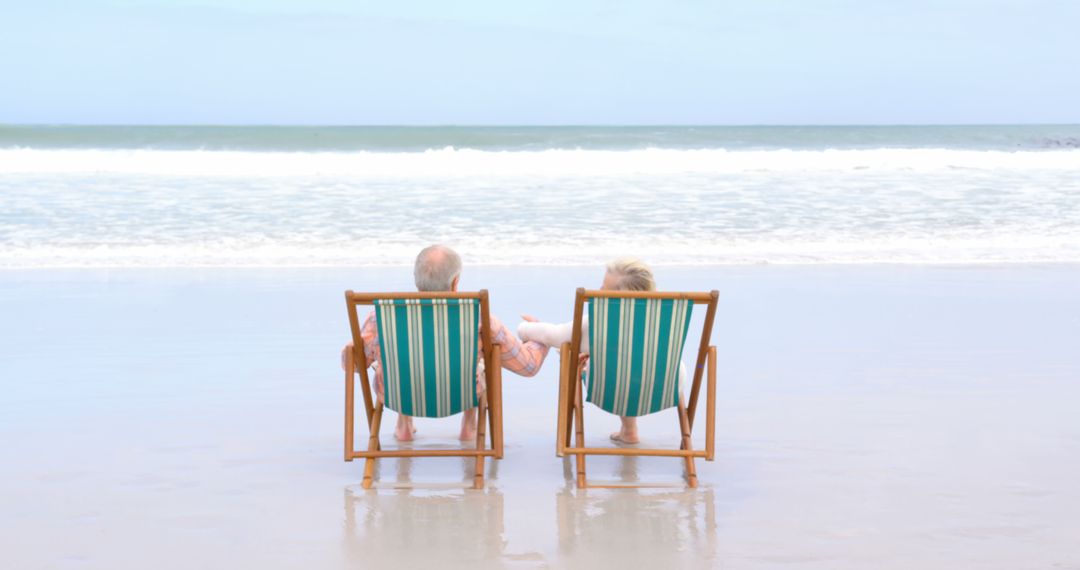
column 598, row 263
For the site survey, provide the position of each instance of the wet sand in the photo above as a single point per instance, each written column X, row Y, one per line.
column 869, row 417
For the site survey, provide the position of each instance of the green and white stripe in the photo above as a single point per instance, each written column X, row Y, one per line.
column 429, row 351
column 636, row 347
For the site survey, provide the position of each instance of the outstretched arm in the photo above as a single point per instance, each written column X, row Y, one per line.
column 521, row 358
column 550, row 334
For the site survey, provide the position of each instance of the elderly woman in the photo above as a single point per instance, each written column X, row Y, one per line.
column 625, row 274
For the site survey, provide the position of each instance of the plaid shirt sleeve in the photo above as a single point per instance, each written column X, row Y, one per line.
column 369, row 331
column 521, row 358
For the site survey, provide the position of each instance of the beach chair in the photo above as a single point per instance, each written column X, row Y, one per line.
column 428, row 347
column 636, row 343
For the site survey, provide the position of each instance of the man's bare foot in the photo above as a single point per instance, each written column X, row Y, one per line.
column 628, row 438
column 344, row 353
column 404, row 430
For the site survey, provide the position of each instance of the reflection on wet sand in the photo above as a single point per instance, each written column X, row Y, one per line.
column 635, row 526
column 422, row 525
column 416, row 524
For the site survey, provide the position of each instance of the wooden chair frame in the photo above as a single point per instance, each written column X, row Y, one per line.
column 489, row 411
column 571, row 409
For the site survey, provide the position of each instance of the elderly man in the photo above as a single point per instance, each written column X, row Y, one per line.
column 438, row 268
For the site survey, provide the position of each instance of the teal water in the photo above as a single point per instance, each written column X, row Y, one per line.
column 300, row 138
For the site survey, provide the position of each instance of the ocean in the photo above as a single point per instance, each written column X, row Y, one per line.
column 160, row 196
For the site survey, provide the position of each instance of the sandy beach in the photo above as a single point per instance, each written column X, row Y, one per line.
column 885, row 195
column 870, row 416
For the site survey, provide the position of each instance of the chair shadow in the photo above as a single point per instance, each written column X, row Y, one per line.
column 626, row 474
column 404, row 467
column 636, row 526
column 385, row 525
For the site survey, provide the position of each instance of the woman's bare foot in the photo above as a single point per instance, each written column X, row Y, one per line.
column 468, row 425
column 628, row 433
column 404, row 430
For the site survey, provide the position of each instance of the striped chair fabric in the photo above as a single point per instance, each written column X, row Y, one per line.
column 429, row 354
column 636, row 348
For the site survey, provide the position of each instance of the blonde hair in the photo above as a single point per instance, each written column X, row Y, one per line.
column 631, row 274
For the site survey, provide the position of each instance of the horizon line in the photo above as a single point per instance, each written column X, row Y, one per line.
column 535, row 125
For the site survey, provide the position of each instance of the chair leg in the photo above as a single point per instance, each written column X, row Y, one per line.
column 369, row 472
column 373, row 445
column 571, row 390
column 684, row 427
column 564, row 391
column 349, row 405
column 478, row 481
column 495, row 422
column 575, row 386
column 491, row 425
column 710, row 408
column 495, row 410
column 579, row 413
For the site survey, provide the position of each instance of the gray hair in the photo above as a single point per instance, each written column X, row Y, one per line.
column 631, row 275
column 436, row 267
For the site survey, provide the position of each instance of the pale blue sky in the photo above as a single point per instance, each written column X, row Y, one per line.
column 551, row 62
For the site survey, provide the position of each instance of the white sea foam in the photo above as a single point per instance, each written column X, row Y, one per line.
column 114, row 208
column 1004, row 249
column 468, row 162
